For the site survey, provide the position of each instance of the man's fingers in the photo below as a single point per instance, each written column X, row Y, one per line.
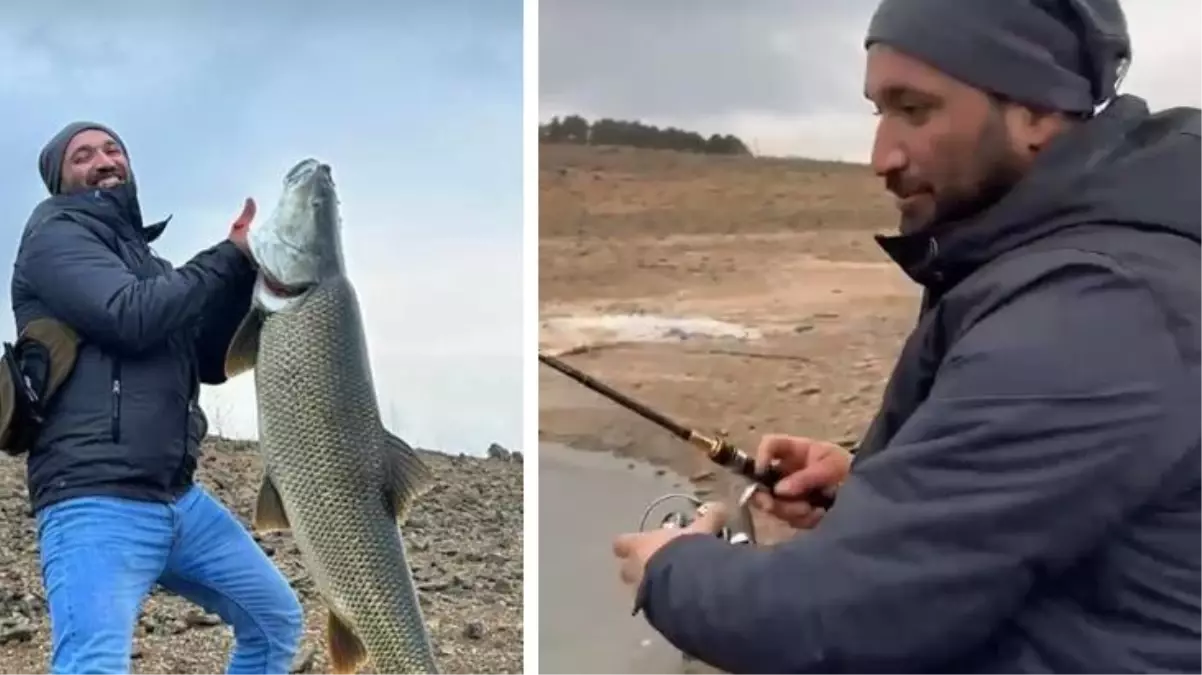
column 811, row 519
column 772, row 447
column 797, row 513
column 816, row 476
column 763, row 501
column 629, row 573
column 792, row 512
column 713, row 517
column 623, row 544
column 780, row 507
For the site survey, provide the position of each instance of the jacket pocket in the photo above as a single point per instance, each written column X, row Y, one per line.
column 115, row 393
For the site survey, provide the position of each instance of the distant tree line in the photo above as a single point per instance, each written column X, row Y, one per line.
column 577, row 130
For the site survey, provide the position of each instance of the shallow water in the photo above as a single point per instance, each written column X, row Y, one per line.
column 586, row 499
column 640, row 328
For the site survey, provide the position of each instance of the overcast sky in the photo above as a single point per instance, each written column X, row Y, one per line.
column 784, row 75
column 416, row 106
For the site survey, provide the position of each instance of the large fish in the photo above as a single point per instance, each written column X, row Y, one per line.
column 333, row 474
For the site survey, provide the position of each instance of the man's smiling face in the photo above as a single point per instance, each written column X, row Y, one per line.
column 93, row 159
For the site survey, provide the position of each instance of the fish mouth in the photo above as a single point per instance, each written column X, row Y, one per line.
column 282, row 290
column 287, row 246
column 306, row 170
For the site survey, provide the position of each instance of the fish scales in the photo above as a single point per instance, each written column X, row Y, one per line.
column 325, row 450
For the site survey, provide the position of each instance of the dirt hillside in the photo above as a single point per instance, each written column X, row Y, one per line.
column 741, row 295
column 464, row 541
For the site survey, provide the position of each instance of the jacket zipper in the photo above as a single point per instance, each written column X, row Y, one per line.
column 115, row 419
column 189, row 411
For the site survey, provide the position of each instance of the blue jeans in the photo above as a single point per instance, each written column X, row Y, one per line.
column 102, row 555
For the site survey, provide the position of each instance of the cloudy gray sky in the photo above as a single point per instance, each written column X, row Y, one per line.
column 785, row 75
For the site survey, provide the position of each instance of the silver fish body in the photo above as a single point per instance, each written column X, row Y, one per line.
column 334, row 475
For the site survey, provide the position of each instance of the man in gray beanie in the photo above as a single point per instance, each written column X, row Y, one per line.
column 110, row 473
column 1027, row 497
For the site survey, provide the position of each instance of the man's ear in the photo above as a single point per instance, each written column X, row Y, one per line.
column 1031, row 129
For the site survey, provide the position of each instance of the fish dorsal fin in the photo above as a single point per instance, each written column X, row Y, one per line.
column 345, row 649
column 406, row 476
column 243, row 351
column 269, row 508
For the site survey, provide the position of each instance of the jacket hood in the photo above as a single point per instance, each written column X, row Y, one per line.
column 1125, row 167
column 116, row 207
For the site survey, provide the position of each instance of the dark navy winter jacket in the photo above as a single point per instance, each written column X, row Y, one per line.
column 1027, row 498
column 126, row 422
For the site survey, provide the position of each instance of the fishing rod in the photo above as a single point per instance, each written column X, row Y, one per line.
column 720, row 451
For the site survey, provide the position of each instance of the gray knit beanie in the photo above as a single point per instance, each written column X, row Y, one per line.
column 1065, row 55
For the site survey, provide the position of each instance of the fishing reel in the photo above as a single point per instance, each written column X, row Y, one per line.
column 739, row 529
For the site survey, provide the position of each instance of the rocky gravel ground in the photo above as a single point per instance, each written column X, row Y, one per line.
column 464, row 541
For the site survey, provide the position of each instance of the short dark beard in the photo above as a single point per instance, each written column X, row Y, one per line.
column 95, row 177
column 1000, row 170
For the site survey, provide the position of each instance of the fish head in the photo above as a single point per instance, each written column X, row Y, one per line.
column 299, row 245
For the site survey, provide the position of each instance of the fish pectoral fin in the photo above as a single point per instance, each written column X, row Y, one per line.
column 407, row 477
column 269, row 509
column 346, row 650
column 243, row 351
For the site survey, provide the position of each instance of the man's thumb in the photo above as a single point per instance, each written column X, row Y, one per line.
column 249, row 208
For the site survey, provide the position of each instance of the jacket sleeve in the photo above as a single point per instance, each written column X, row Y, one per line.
column 222, row 316
column 86, row 285
column 1040, row 433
